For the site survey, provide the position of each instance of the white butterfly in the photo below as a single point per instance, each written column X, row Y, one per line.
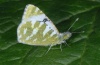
column 37, row 29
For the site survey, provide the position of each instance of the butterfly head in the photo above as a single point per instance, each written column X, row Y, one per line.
column 66, row 35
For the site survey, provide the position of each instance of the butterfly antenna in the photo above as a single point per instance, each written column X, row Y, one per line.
column 73, row 24
column 78, row 32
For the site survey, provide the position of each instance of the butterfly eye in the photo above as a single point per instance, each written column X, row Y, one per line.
column 45, row 20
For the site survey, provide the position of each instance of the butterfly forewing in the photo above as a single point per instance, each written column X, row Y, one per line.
column 36, row 28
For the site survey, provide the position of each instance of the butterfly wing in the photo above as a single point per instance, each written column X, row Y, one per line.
column 36, row 28
column 36, row 14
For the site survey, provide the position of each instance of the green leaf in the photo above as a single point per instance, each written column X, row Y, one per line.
column 83, row 49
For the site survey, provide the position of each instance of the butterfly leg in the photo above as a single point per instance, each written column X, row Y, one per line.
column 66, row 43
column 61, row 47
column 49, row 49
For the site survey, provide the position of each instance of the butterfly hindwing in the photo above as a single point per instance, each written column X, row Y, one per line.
column 36, row 28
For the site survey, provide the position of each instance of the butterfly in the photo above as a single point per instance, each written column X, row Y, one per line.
column 37, row 29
